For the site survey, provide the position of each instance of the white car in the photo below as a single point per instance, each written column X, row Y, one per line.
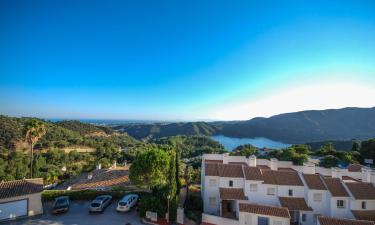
column 127, row 202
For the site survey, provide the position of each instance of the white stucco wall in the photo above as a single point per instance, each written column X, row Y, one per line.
column 245, row 216
column 340, row 212
column 237, row 182
column 323, row 207
column 211, row 191
column 298, row 191
column 357, row 204
column 254, row 197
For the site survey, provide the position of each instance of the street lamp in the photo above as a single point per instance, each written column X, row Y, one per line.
column 168, row 197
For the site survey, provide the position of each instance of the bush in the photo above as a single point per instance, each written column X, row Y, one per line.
column 50, row 195
column 194, row 207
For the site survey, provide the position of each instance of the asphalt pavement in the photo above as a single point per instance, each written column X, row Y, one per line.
column 78, row 215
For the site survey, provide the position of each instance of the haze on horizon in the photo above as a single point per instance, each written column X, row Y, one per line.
column 210, row 60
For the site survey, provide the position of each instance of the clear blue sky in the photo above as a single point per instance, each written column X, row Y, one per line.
column 180, row 60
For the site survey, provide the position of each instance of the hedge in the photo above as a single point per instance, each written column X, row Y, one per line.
column 49, row 195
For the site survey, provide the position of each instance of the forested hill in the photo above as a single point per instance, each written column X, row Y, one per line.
column 165, row 130
column 298, row 127
column 59, row 135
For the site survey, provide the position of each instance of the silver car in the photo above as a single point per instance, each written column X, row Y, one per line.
column 100, row 203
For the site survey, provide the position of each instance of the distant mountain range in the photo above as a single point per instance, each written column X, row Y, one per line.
column 297, row 127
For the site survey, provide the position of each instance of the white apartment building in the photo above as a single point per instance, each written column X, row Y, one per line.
column 248, row 191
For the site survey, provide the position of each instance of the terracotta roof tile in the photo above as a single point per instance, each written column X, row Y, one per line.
column 361, row 190
column 281, row 178
column 263, row 167
column 335, row 187
column 104, row 178
column 364, row 215
column 293, row 203
column 354, row 168
column 232, row 194
column 314, row 181
column 335, row 221
column 264, row 210
column 211, row 169
column 226, row 170
column 20, row 187
column 252, row 173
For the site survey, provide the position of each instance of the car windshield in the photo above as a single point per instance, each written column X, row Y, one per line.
column 61, row 203
column 122, row 203
column 100, row 198
column 95, row 204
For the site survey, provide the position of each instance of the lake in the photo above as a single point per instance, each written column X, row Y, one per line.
column 231, row 143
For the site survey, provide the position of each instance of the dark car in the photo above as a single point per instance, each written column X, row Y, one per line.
column 61, row 204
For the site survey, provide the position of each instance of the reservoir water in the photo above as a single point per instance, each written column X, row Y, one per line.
column 231, row 143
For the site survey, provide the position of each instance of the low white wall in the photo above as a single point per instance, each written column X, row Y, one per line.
column 206, row 218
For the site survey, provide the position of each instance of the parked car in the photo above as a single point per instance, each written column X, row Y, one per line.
column 100, row 203
column 61, row 204
column 127, row 202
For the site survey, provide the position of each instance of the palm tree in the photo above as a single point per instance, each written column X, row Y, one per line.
column 35, row 129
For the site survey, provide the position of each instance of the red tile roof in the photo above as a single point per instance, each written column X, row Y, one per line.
column 232, row 194
column 294, row 204
column 354, row 168
column 335, row 187
column 226, row 170
column 314, row 181
column 211, row 169
column 335, row 221
column 361, row 190
column 15, row 188
column 263, row 167
column 252, row 173
column 364, row 215
column 104, row 178
column 264, row 210
column 281, row 178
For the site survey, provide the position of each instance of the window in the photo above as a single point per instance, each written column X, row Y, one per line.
column 290, row 192
column 253, row 187
column 212, row 201
column 231, row 183
column 303, row 217
column 212, row 183
column 317, row 197
column 340, row 204
column 270, row 191
column 363, row 205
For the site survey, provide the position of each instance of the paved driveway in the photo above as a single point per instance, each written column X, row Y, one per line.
column 78, row 215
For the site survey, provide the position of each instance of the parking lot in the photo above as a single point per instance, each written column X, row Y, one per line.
column 78, row 215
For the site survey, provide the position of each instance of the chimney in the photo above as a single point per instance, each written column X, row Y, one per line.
column 366, row 174
column 225, row 158
column 336, row 172
column 273, row 164
column 308, row 168
column 253, row 161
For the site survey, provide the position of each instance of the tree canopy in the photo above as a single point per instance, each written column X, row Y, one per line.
column 150, row 168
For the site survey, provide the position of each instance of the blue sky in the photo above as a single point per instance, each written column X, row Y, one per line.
column 184, row 60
